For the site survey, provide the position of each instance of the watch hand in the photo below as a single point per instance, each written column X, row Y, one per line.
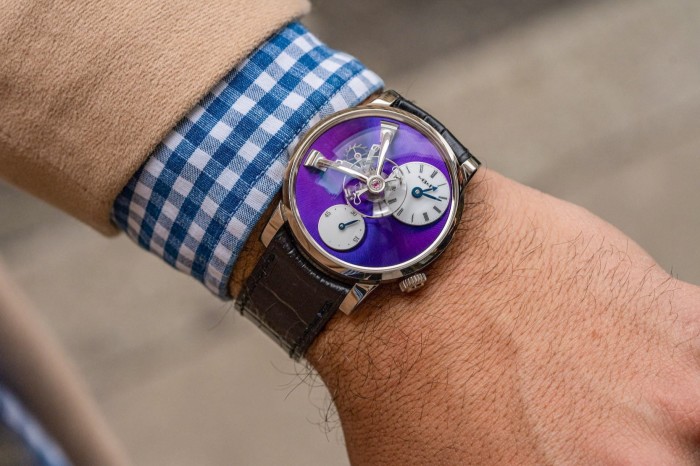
column 418, row 192
column 319, row 161
column 387, row 132
column 432, row 197
column 342, row 226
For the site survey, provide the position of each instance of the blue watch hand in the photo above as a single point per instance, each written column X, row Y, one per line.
column 431, row 197
column 417, row 192
column 341, row 226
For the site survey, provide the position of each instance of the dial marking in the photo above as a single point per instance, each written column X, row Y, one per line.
column 400, row 211
column 391, row 201
column 421, row 168
column 425, row 216
column 432, row 175
column 435, row 208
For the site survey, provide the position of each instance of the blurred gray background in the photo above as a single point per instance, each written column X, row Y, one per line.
column 596, row 102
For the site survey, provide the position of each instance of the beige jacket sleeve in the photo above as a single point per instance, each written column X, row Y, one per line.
column 88, row 89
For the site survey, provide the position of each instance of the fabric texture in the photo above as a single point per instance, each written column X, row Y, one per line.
column 43, row 450
column 88, row 89
column 203, row 190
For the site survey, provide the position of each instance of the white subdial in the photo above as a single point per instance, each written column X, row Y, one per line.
column 428, row 194
column 341, row 227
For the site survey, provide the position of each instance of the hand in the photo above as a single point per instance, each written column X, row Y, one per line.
column 343, row 226
column 544, row 336
column 418, row 192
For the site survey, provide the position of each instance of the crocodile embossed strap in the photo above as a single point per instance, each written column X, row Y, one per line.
column 460, row 151
column 288, row 297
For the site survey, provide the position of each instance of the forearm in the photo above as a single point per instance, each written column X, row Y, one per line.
column 499, row 359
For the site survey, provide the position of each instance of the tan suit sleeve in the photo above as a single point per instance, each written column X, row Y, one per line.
column 88, row 89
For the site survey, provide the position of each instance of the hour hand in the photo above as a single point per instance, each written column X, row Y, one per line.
column 319, row 161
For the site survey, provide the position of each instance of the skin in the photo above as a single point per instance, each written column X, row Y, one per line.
column 544, row 336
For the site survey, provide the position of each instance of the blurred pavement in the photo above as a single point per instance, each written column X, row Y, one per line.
column 595, row 102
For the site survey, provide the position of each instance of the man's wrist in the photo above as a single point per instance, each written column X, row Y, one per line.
column 386, row 325
column 379, row 361
column 541, row 323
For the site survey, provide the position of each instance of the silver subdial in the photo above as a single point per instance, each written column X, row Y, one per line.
column 427, row 198
column 341, row 227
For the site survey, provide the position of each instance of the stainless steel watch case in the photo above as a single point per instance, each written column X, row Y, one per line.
column 366, row 280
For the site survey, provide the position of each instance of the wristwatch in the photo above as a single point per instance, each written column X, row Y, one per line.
column 372, row 195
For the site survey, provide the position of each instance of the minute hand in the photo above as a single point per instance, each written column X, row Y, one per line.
column 387, row 132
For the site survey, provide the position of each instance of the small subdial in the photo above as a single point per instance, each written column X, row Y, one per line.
column 428, row 195
column 341, row 227
column 382, row 195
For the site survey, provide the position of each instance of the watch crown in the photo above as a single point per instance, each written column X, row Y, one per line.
column 412, row 283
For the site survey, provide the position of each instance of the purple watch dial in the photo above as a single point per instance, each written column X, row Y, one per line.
column 404, row 206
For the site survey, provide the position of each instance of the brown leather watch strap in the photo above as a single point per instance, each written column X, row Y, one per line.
column 288, row 297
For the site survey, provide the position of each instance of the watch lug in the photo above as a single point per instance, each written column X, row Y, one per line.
column 356, row 295
column 273, row 225
column 467, row 169
column 386, row 98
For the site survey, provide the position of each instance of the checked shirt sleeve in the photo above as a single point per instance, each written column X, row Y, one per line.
column 199, row 195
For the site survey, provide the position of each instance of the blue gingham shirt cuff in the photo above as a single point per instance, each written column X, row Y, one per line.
column 199, row 195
